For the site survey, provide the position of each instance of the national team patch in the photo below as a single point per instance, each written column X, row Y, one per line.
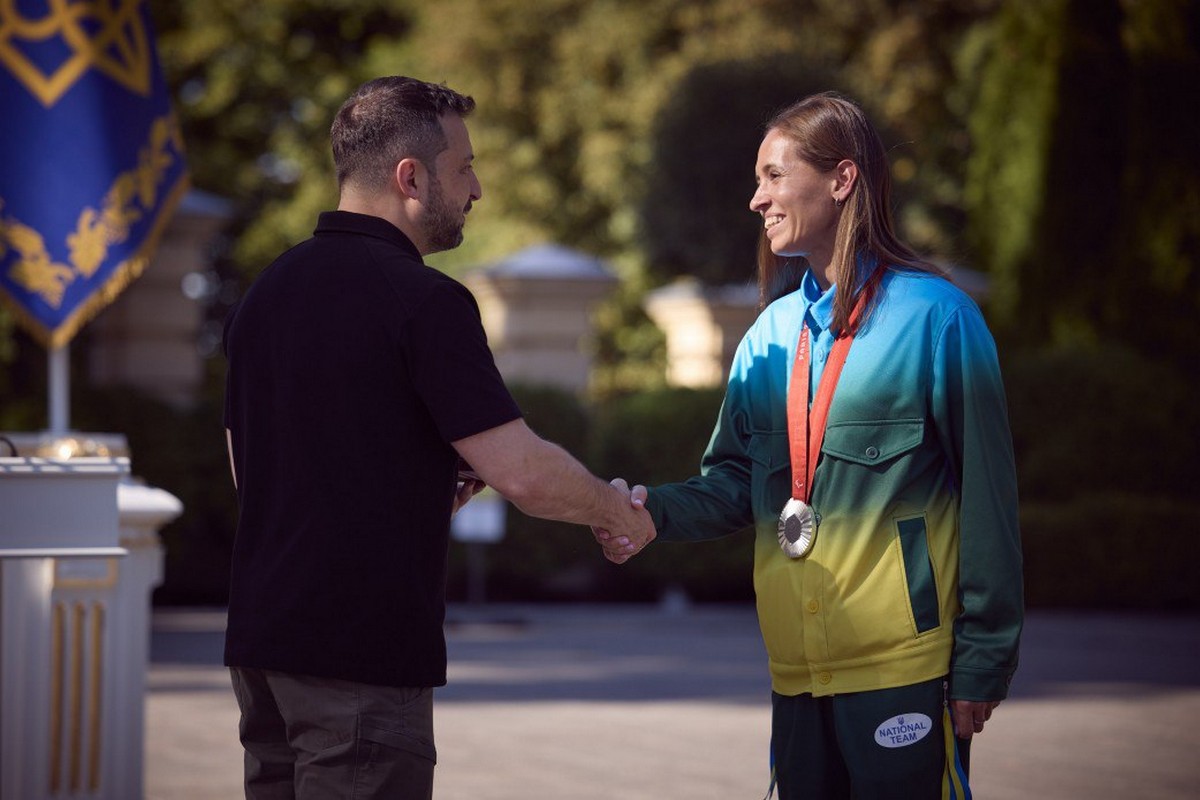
column 903, row 730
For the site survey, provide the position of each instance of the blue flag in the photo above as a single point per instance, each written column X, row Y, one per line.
column 91, row 159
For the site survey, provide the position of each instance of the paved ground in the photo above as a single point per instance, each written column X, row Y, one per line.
column 640, row 702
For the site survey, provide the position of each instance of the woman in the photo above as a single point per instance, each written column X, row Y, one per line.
column 887, row 561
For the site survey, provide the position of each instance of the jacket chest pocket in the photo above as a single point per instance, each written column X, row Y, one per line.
column 770, row 473
column 873, row 443
column 865, row 464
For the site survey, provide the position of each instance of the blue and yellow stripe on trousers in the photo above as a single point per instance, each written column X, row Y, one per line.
column 954, row 780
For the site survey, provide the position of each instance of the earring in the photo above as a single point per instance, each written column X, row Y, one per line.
column 839, row 203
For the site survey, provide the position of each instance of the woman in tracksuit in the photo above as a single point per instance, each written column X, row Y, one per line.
column 887, row 560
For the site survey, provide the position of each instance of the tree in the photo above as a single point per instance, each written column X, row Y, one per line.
column 257, row 85
column 694, row 214
column 569, row 92
column 1084, row 187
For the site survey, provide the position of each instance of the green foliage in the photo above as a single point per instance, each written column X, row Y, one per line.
column 1159, row 238
column 257, row 85
column 568, row 92
column 694, row 215
column 1110, row 420
column 1112, row 551
column 630, row 350
column 22, row 378
column 1059, row 133
column 656, row 436
column 901, row 60
column 646, row 438
column 535, row 550
column 580, row 103
column 182, row 452
column 1105, row 442
column 1006, row 173
column 1082, row 110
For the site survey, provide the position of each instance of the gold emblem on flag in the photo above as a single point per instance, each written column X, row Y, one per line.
column 133, row 194
column 108, row 35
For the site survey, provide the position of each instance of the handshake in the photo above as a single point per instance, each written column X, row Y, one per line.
column 543, row 480
column 623, row 542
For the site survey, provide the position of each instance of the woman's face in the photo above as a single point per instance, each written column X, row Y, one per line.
column 796, row 202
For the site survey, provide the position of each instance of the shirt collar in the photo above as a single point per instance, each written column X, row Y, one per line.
column 820, row 302
column 365, row 225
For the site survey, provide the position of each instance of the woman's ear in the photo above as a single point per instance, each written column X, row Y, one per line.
column 845, row 176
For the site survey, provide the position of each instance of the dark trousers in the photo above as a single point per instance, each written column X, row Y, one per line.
column 307, row 738
column 888, row 743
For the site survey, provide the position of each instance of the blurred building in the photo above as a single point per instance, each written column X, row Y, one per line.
column 702, row 325
column 150, row 336
column 537, row 309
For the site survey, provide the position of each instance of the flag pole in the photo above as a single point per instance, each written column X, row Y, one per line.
column 58, row 368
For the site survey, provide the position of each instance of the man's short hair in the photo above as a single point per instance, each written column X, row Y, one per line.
column 387, row 120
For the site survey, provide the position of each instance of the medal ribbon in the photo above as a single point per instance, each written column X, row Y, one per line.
column 806, row 430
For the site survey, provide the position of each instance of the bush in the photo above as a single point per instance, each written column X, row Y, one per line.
column 1108, row 419
column 538, row 559
column 182, row 452
column 1105, row 443
column 1112, row 551
column 655, row 436
column 651, row 437
column 659, row 437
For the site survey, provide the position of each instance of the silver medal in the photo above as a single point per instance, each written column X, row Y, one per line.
column 797, row 528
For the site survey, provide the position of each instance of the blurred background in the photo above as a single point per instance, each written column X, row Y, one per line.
column 1047, row 152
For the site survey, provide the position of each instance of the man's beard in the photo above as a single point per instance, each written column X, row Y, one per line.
column 442, row 225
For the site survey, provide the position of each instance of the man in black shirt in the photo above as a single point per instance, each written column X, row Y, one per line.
column 358, row 377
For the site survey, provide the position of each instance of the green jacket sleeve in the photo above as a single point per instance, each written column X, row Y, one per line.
column 970, row 413
column 715, row 503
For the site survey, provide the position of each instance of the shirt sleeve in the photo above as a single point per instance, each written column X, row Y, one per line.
column 452, row 367
column 972, row 421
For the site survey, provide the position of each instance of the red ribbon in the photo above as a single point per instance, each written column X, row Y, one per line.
column 806, row 429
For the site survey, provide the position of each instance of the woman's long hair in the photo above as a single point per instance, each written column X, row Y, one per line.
column 825, row 129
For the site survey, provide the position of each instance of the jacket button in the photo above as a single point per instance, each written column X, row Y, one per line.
column 813, row 606
column 872, row 452
column 825, row 677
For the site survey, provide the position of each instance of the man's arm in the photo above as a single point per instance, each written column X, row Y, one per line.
column 544, row 480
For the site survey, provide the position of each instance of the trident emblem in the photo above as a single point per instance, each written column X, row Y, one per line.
column 105, row 34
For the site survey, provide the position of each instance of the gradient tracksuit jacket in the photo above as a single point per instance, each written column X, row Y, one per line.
column 916, row 568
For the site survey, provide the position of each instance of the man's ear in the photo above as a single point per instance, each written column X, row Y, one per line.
column 410, row 178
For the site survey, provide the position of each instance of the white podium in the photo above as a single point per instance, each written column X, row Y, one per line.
column 79, row 555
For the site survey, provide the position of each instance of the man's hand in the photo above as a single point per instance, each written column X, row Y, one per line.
column 619, row 547
column 969, row 716
column 465, row 492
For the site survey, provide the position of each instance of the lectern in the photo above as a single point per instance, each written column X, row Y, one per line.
column 79, row 554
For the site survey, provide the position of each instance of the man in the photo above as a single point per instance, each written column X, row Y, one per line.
column 358, row 380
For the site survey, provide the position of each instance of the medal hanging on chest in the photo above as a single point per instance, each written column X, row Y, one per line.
column 798, row 522
column 797, row 528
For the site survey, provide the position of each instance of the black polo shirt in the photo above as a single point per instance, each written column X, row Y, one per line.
column 352, row 366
